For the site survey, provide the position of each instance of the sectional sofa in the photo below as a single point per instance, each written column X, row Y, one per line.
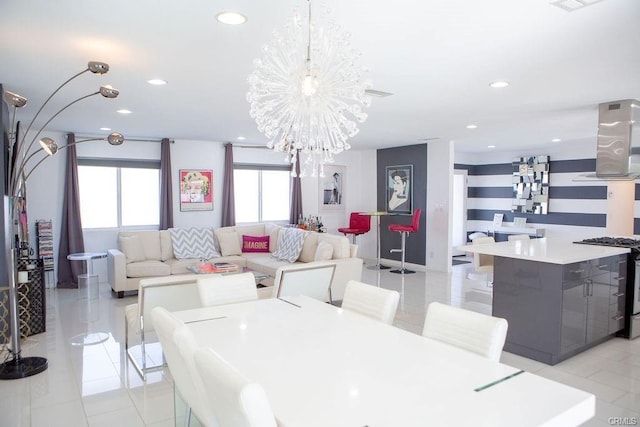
column 147, row 254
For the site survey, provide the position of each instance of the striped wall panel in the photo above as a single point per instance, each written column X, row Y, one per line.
column 572, row 201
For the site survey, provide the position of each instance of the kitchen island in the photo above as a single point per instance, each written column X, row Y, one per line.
column 559, row 297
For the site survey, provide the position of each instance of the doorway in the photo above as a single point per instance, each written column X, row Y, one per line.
column 459, row 210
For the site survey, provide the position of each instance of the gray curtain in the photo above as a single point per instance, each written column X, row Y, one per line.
column 296, row 194
column 71, row 239
column 228, row 200
column 166, row 192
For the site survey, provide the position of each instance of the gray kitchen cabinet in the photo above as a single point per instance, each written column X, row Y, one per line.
column 617, row 296
column 555, row 311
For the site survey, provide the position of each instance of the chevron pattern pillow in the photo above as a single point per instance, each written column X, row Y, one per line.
column 290, row 241
column 193, row 243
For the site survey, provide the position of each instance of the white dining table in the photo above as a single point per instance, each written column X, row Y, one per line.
column 324, row 366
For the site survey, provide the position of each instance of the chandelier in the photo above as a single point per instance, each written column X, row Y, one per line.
column 307, row 90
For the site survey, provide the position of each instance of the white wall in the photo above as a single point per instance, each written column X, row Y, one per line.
column 439, row 204
column 359, row 194
column 45, row 187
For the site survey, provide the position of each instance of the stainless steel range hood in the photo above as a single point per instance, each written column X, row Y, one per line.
column 618, row 153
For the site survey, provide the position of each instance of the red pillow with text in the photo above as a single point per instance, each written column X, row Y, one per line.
column 255, row 243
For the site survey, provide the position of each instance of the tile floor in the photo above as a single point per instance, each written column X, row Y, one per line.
column 95, row 385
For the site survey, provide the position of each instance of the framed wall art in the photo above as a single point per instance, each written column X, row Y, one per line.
column 400, row 189
column 196, row 190
column 331, row 189
column 531, row 185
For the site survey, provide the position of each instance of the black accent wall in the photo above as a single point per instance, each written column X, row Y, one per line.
column 415, row 155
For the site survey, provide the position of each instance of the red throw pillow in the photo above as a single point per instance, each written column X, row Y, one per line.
column 255, row 243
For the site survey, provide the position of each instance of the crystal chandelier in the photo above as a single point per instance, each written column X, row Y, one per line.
column 307, row 91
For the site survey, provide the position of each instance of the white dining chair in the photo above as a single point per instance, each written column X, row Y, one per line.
column 377, row 303
column 167, row 325
column 221, row 289
column 235, row 400
column 187, row 345
column 475, row 332
column 483, row 263
column 314, row 281
column 514, row 237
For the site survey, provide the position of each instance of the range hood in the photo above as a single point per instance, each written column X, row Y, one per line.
column 618, row 152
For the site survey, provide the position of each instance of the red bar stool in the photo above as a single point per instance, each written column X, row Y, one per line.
column 404, row 230
column 358, row 224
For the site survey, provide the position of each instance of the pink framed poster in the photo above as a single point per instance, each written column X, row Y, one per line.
column 196, row 190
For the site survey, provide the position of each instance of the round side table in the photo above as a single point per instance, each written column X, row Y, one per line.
column 89, row 281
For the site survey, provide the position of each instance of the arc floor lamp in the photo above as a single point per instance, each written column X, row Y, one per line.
column 19, row 170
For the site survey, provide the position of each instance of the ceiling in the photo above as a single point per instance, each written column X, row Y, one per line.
column 437, row 57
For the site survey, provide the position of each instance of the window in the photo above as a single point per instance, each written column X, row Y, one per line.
column 119, row 193
column 262, row 192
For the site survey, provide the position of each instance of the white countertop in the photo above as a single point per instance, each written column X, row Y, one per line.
column 553, row 250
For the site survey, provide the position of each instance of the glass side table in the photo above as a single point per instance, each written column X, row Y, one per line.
column 90, row 283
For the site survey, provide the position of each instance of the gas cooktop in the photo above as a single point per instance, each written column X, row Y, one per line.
column 622, row 242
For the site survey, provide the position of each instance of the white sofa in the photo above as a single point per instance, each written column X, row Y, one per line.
column 154, row 256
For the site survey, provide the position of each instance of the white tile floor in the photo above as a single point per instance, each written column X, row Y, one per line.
column 96, row 386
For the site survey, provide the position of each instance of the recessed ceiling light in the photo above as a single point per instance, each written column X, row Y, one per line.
column 105, row 129
column 472, row 126
column 491, row 146
column 556, row 140
column 157, row 82
column 241, row 138
column 231, row 18
column 499, row 84
column 123, row 111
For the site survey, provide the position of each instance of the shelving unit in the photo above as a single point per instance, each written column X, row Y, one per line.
column 31, row 302
column 44, row 234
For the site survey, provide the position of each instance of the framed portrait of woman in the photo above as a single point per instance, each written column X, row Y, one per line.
column 331, row 189
column 400, row 189
column 196, row 190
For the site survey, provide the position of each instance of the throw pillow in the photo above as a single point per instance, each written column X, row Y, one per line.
column 132, row 248
column 273, row 231
column 255, row 243
column 229, row 244
column 324, row 252
column 193, row 243
column 290, row 243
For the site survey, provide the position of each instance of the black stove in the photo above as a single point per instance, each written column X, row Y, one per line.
column 621, row 242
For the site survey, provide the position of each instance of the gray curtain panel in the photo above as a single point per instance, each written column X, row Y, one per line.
column 71, row 239
column 228, row 200
column 166, row 192
column 296, row 194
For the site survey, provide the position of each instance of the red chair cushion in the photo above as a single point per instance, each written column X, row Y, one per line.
column 410, row 228
column 402, row 227
column 352, row 230
column 358, row 224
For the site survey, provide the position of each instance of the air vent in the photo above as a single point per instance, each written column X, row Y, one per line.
column 571, row 5
column 377, row 93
